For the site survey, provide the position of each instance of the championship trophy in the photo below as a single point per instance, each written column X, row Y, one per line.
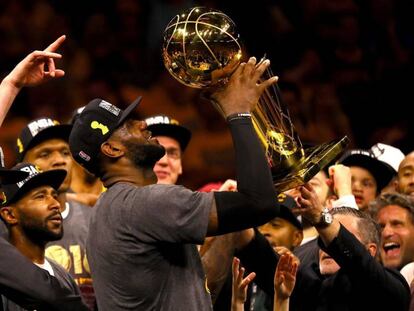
column 201, row 49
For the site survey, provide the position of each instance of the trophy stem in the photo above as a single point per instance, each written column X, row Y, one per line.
column 290, row 163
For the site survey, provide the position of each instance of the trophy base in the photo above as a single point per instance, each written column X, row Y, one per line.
column 315, row 159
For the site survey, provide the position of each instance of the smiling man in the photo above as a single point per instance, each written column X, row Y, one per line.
column 174, row 138
column 395, row 215
column 349, row 276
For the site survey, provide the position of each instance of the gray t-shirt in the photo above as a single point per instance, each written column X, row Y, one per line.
column 142, row 248
column 70, row 251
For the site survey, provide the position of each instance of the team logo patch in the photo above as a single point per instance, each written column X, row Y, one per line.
column 32, row 170
column 84, row 156
column 96, row 125
column 36, row 126
column 19, row 145
column 109, row 107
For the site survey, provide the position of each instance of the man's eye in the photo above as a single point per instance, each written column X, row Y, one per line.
column 173, row 153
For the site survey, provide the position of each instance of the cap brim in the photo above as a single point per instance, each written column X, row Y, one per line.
column 287, row 215
column 53, row 178
column 286, row 211
column 382, row 172
column 129, row 110
column 179, row 133
column 8, row 176
column 61, row 131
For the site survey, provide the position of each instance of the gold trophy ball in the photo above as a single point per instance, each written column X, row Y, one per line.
column 201, row 47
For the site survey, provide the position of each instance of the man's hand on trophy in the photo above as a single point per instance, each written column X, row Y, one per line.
column 243, row 90
column 309, row 205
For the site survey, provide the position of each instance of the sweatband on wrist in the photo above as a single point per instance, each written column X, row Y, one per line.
column 236, row 116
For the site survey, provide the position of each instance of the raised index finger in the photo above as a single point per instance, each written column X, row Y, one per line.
column 55, row 45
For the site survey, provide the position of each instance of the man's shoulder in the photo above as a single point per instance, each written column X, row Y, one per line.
column 61, row 274
column 78, row 209
column 153, row 189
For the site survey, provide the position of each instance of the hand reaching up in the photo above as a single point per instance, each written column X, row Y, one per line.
column 242, row 92
column 240, row 285
column 34, row 69
column 37, row 67
column 284, row 281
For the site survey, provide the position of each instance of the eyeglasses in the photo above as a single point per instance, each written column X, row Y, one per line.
column 173, row 153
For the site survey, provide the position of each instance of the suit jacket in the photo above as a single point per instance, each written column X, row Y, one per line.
column 362, row 283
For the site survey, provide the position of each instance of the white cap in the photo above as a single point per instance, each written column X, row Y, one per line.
column 388, row 154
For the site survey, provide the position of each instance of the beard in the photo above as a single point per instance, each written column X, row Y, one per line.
column 38, row 231
column 144, row 155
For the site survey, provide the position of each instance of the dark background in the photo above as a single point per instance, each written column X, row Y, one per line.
column 345, row 68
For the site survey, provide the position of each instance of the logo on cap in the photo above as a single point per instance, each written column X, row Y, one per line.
column 20, row 145
column 84, row 156
column 32, row 170
column 96, row 125
column 36, row 126
column 161, row 120
column 109, row 107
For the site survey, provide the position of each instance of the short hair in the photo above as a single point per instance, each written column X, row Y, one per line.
column 387, row 199
column 369, row 230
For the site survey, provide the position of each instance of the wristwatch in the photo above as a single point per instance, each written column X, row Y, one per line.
column 326, row 219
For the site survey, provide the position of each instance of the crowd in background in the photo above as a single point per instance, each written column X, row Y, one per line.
column 348, row 260
column 344, row 67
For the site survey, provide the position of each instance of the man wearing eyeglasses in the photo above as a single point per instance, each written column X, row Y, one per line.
column 174, row 138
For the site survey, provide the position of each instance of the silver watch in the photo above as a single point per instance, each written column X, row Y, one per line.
column 326, row 218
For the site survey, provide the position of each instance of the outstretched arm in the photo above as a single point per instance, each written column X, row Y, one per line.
column 34, row 69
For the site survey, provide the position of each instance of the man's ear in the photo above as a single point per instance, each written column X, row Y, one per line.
column 8, row 215
column 112, row 149
column 372, row 249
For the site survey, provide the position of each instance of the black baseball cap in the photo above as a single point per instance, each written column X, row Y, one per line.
column 8, row 176
column 382, row 172
column 38, row 131
column 35, row 178
column 162, row 125
column 92, row 127
column 287, row 203
column 75, row 114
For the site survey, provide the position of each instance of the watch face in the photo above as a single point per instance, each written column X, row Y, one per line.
column 328, row 218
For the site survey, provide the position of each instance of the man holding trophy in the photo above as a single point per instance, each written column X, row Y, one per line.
column 142, row 237
column 142, row 240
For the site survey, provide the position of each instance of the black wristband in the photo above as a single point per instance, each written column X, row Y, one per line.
column 236, row 116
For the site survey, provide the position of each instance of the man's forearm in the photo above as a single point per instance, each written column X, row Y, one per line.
column 255, row 202
column 217, row 260
column 8, row 93
column 327, row 234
